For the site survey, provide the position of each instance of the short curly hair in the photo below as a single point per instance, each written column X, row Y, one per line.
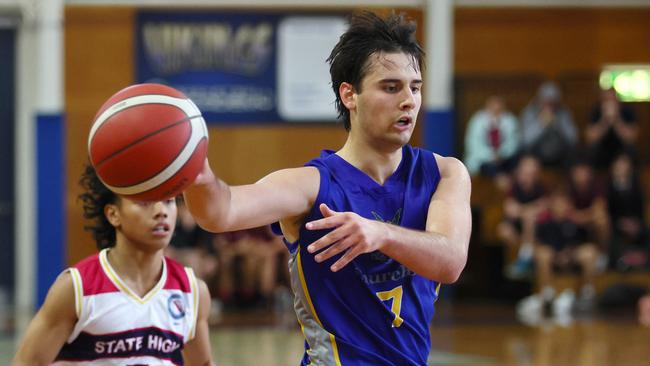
column 95, row 197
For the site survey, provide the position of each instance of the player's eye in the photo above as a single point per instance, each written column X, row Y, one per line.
column 391, row 88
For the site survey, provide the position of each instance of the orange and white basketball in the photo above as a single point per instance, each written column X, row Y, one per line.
column 148, row 142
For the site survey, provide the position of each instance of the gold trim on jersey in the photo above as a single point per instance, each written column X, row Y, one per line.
column 195, row 297
column 77, row 284
column 123, row 287
column 313, row 310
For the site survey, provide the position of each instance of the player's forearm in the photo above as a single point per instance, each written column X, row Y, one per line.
column 431, row 255
column 209, row 203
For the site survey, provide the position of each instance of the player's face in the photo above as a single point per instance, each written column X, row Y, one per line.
column 386, row 109
column 147, row 225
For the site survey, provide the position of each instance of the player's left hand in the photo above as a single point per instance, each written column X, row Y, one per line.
column 352, row 234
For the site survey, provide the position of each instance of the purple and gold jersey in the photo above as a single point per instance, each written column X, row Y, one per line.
column 374, row 311
column 115, row 326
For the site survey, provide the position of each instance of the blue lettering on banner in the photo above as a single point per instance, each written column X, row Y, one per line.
column 224, row 61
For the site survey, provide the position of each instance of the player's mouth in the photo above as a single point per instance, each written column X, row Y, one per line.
column 161, row 229
column 404, row 122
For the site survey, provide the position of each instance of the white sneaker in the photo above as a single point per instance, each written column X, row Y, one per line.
column 530, row 310
column 563, row 304
column 587, row 299
column 530, row 305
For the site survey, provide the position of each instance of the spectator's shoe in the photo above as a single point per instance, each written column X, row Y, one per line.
column 530, row 310
column 520, row 269
column 563, row 304
column 587, row 300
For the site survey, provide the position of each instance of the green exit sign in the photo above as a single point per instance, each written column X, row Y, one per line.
column 631, row 82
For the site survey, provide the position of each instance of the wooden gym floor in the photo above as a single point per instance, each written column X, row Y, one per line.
column 472, row 334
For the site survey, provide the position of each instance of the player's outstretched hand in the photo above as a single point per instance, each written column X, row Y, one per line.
column 205, row 175
column 352, row 234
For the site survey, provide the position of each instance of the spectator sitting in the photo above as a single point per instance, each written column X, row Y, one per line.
column 588, row 202
column 259, row 250
column 522, row 208
column 491, row 141
column 548, row 130
column 628, row 247
column 561, row 244
column 612, row 129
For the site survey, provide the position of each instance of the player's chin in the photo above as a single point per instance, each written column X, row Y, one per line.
column 401, row 139
column 158, row 243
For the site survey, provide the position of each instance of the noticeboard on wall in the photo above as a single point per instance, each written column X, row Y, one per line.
column 242, row 67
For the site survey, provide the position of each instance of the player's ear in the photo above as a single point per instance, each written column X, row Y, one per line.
column 112, row 214
column 348, row 95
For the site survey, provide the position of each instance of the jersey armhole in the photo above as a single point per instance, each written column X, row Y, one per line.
column 431, row 165
column 324, row 181
column 323, row 187
column 77, row 284
column 194, row 288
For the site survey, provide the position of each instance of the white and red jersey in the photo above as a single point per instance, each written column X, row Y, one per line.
column 115, row 326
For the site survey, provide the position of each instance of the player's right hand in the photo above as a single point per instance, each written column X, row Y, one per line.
column 205, row 176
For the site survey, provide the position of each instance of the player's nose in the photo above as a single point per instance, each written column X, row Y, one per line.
column 408, row 100
column 161, row 210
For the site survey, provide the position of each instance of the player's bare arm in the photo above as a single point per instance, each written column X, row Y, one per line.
column 218, row 207
column 439, row 253
column 51, row 326
column 197, row 352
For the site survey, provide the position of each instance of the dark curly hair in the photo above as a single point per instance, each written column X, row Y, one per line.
column 95, row 197
column 369, row 34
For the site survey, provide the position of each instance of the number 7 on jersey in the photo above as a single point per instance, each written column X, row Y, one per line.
column 396, row 305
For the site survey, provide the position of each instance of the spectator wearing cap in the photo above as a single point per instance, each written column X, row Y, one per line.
column 548, row 130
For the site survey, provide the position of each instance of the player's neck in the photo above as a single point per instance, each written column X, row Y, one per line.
column 377, row 164
column 139, row 269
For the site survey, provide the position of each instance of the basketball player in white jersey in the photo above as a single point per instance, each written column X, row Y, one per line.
column 128, row 304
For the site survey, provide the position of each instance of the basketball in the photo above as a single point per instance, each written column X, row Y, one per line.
column 148, row 142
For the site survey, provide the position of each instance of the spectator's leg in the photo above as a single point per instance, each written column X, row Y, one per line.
column 587, row 257
column 544, row 255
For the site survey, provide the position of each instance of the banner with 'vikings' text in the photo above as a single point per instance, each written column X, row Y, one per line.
column 242, row 67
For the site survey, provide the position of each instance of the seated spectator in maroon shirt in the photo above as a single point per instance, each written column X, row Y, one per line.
column 588, row 204
column 261, row 254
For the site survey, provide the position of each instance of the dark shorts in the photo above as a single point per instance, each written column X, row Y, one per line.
column 560, row 235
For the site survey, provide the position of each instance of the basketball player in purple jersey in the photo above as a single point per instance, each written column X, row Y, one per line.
column 374, row 228
column 128, row 304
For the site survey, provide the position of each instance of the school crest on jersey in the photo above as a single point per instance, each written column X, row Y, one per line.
column 377, row 255
column 176, row 306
